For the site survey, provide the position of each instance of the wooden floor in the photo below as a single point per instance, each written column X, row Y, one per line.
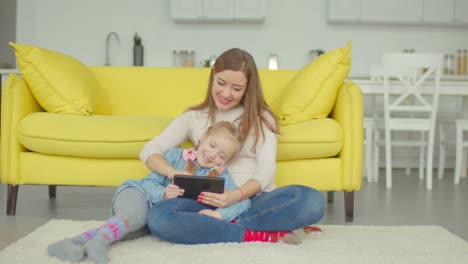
column 407, row 203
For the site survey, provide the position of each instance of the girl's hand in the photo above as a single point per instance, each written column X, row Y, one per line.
column 173, row 191
column 174, row 172
column 212, row 213
column 219, row 199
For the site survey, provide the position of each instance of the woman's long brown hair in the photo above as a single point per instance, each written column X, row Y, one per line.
column 256, row 110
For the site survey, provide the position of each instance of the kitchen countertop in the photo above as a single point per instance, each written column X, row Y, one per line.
column 8, row 71
column 444, row 77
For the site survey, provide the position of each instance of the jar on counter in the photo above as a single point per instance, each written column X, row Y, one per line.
column 273, row 62
column 191, row 59
column 175, row 57
column 459, row 62
column 463, row 62
column 449, row 66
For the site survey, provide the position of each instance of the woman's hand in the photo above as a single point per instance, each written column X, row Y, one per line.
column 212, row 213
column 219, row 199
column 173, row 191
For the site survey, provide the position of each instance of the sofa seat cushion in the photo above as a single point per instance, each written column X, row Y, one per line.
column 94, row 136
column 316, row 138
column 98, row 136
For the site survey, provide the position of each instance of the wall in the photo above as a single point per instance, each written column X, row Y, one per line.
column 7, row 32
column 291, row 29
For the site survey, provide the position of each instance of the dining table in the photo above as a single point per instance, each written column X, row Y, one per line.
column 450, row 86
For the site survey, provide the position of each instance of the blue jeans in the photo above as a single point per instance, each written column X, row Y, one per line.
column 287, row 208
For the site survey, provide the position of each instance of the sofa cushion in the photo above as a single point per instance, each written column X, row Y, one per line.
column 92, row 136
column 60, row 83
column 312, row 92
column 317, row 138
column 99, row 136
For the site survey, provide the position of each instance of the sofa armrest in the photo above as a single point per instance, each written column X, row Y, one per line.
column 17, row 102
column 349, row 113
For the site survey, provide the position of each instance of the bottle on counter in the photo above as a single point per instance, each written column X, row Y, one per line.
column 273, row 62
column 449, row 67
column 212, row 60
column 183, row 58
column 463, row 62
column 452, row 65
column 191, row 59
column 175, row 56
column 446, row 66
column 459, row 62
column 137, row 51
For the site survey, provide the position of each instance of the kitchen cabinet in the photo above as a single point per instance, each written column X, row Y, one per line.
column 443, row 12
column 186, row 9
column 453, row 12
column 200, row 10
column 249, row 10
column 439, row 10
column 344, row 10
column 397, row 11
column 217, row 10
column 461, row 11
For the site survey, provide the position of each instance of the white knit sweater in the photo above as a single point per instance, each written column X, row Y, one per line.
column 258, row 163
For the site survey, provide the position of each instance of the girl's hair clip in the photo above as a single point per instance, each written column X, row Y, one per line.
column 189, row 154
column 219, row 169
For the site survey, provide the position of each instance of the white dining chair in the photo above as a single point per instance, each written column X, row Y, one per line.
column 370, row 165
column 461, row 127
column 444, row 142
column 371, row 151
column 405, row 107
column 378, row 122
column 447, row 127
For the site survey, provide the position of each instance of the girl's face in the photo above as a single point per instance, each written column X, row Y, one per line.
column 215, row 149
column 228, row 88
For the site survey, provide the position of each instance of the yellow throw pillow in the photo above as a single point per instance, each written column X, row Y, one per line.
column 313, row 90
column 60, row 83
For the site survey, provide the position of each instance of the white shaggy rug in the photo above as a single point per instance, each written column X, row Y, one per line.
column 338, row 244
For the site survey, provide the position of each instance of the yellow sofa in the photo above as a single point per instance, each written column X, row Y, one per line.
column 133, row 104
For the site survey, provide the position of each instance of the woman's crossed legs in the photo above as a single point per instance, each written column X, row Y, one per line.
column 284, row 209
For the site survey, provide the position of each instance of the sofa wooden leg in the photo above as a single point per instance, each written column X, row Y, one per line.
column 330, row 196
column 349, row 206
column 52, row 191
column 11, row 199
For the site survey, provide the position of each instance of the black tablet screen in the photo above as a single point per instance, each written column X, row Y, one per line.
column 194, row 185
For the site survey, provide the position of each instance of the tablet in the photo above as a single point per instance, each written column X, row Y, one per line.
column 194, row 185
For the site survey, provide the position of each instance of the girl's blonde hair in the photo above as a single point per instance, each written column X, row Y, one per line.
column 256, row 110
column 236, row 136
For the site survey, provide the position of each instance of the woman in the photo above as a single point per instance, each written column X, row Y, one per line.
column 234, row 94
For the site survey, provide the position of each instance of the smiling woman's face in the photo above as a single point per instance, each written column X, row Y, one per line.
column 228, row 89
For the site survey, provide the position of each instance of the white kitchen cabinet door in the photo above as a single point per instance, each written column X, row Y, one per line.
column 397, row 11
column 249, row 10
column 186, row 10
column 344, row 10
column 218, row 9
column 439, row 11
column 461, row 11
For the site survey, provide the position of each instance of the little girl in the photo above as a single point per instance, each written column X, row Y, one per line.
column 133, row 198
